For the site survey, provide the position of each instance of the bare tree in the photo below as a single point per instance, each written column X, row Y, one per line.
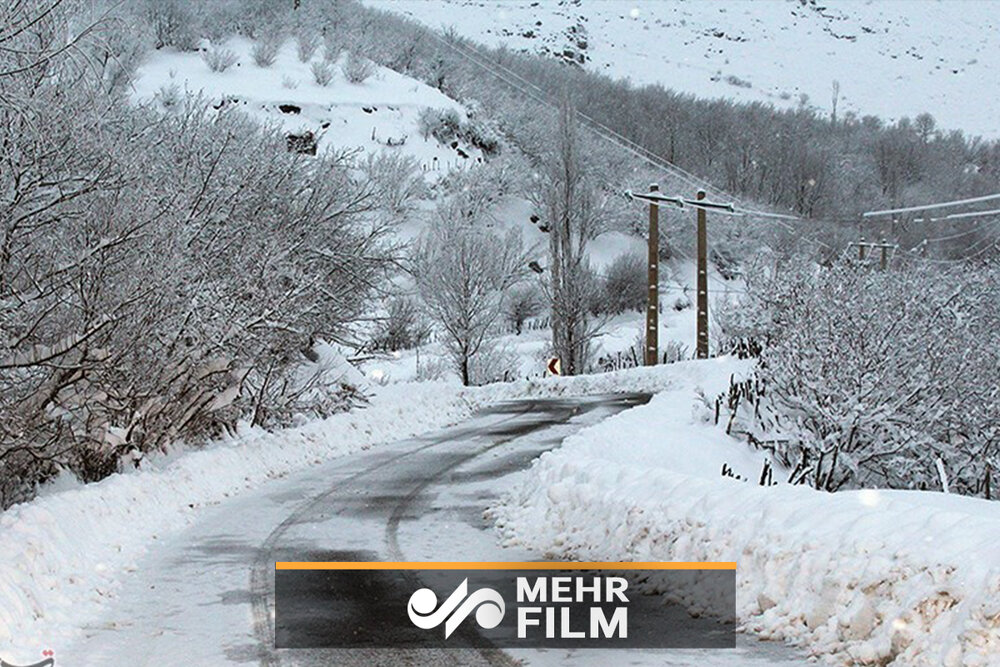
column 464, row 271
column 568, row 195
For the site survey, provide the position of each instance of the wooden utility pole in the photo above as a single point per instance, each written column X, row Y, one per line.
column 881, row 246
column 702, row 350
column 652, row 351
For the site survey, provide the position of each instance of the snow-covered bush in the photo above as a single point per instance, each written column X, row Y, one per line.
column 331, row 47
column 404, row 327
column 313, row 389
column 480, row 135
column 171, row 22
column 357, row 69
column 265, row 50
column 306, row 44
column 145, row 300
column 447, row 125
column 871, row 377
column 442, row 124
column 219, row 59
column 170, row 95
column 625, row 284
column 398, row 180
column 322, row 73
column 495, row 362
column 524, row 302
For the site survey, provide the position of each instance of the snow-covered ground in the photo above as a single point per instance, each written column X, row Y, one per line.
column 863, row 577
column 368, row 116
column 892, row 59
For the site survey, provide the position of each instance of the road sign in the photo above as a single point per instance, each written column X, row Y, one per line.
column 554, row 366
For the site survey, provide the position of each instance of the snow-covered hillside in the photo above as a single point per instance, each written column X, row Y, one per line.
column 891, row 59
column 377, row 115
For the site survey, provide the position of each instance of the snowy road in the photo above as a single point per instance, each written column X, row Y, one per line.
column 203, row 597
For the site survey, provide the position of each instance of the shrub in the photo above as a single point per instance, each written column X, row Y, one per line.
column 357, row 69
column 523, row 303
column 265, row 51
column 625, row 284
column 404, row 327
column 218, row 59
column 172, row 23
column 331, row 48
column 306, row 45
column 447, row 125
column 495, row 362
column 442, row 124
column 322, row 73
column 481, row 136
column 871, row 377
column 169, row 95
column 397, row 179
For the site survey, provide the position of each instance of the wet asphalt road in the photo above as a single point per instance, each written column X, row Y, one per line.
column 399, row 489
column 205, row 596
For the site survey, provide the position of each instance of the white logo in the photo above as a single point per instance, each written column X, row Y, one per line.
column 423, row 614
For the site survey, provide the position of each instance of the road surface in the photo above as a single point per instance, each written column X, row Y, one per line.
column 204, row 596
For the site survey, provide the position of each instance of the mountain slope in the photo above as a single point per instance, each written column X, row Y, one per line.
column 891, row 59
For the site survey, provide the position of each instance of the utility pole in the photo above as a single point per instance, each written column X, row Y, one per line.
column 652, row 351
column 881, row 246
column 702, row 350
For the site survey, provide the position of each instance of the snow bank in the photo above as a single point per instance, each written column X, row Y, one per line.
column 64, row 554
column 866, row 577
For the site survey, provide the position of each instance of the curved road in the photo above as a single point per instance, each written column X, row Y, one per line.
column 204, row 596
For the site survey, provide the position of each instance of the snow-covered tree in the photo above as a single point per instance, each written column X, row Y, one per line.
column 464, row 271
column 567, row 196
column 870, row 377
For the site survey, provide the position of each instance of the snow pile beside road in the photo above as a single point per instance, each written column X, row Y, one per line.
column 866, row 577
column 65, row 553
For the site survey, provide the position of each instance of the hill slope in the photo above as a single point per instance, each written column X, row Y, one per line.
column 892, row 59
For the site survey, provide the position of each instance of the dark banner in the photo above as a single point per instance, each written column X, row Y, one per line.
column 514, row 605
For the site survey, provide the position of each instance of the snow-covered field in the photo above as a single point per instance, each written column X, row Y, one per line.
column 377, row 115
column 863, row 577
column 892, row 59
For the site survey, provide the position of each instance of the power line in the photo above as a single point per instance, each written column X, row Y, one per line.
column 968, row 232
column 957, row 216
column 990, row 244
column 929, row 207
